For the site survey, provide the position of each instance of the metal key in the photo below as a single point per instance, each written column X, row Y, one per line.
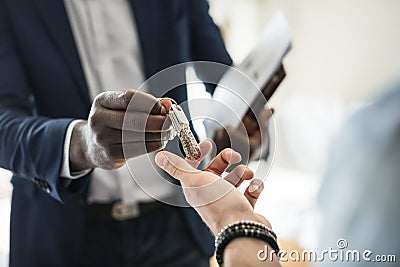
column 181, row 125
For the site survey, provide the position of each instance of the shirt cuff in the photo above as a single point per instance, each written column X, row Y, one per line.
column 65, row 170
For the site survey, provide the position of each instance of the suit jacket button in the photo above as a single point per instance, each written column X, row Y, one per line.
column 42, row 185
column 46, row 187
column 37, row 182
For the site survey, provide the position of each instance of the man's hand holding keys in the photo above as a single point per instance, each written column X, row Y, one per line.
column 107, row 139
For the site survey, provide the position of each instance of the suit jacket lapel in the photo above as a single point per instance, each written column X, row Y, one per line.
column 55, row 19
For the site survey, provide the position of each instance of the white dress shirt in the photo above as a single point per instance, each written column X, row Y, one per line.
column 108, row 45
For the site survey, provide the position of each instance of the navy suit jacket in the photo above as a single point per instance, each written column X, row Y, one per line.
column 43, row 88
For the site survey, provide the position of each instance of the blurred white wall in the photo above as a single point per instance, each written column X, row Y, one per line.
column 344, row 48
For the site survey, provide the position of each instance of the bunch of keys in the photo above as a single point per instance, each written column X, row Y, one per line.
column 180, row 124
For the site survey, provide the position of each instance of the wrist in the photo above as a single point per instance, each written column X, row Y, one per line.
column 254, row 234
column 78, row 156
column 226, row 220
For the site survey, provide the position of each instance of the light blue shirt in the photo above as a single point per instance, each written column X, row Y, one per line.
column 360, row 196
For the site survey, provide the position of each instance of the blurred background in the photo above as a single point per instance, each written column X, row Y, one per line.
column 344, row 52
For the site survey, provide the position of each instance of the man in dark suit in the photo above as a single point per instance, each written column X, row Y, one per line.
column 47, row 83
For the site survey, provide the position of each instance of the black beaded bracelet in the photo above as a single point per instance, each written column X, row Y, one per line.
column 244, row 229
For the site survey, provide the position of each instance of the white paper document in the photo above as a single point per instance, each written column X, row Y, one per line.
column 235, row 92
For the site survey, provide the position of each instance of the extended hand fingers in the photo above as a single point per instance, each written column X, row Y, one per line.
column 253, row 191
column 223, row 160
column 238, row 175
column 205, row 148
column 175, row 166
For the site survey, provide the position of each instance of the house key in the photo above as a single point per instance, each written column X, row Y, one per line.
column 180, row 124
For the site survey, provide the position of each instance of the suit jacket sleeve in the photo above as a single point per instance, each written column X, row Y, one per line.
column 206, row 40
column 30, row 146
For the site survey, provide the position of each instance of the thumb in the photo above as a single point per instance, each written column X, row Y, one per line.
column 174, row 165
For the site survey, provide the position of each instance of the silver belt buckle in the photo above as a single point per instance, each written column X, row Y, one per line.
column 122, row 211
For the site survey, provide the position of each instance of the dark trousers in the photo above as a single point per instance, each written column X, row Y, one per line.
column 159, row 238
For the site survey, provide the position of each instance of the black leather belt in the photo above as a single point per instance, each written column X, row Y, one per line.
column 122, row 211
